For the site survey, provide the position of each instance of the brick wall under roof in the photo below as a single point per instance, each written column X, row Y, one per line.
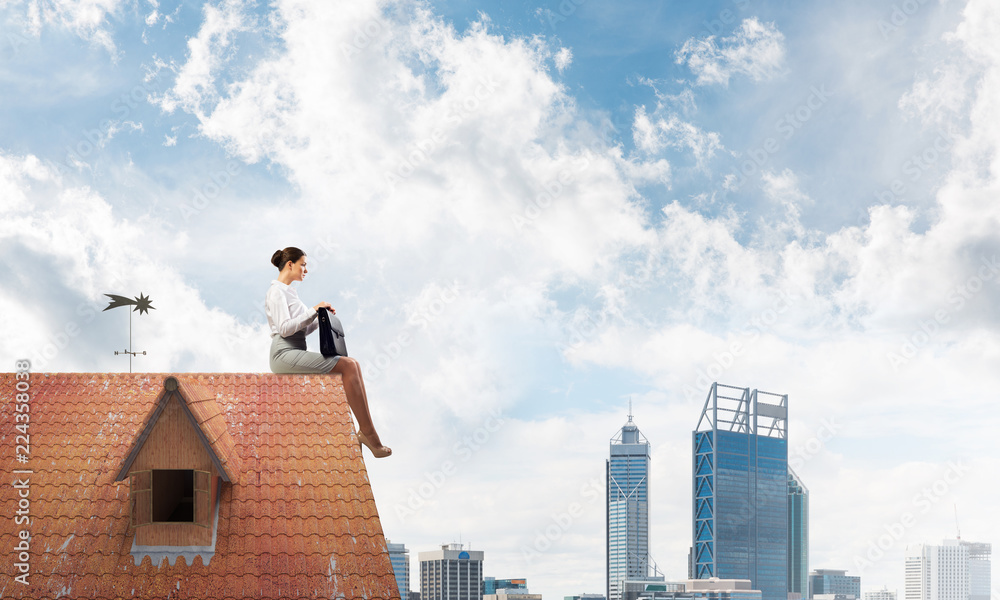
column 300, row 521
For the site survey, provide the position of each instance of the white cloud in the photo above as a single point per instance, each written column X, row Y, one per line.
column 783, row 190
column 653, row 171
column 424, row 145
column 756, row 49
column 563, row 58
column 940, row 96
column 653, row 134
column 85, row 18
column 683, row 102
column 195, row 81
column 14, row 174
column 154, row 15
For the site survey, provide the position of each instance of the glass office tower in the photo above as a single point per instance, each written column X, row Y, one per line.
column 798, row 536
column 627, row 509
column 399, row 556
column 740, row 493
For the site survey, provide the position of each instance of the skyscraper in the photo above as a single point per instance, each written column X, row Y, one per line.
column 451, row 573
column 740, row 495
column 627, row 473
column 798, row 536
column 399, row 556
column 955, row 570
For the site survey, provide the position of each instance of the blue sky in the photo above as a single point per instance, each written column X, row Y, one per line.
column 539, row 210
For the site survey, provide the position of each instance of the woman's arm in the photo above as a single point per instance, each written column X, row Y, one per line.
column 277, row 305
column 314, row 325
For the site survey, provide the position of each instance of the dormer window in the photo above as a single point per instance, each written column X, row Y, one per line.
column 169, row 496
column 162, row 496
column 176, row 467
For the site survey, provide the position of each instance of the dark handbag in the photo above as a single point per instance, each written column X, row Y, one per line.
column 331, row 334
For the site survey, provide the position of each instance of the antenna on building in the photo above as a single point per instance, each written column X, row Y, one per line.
column 958, row 529
column 630, row 409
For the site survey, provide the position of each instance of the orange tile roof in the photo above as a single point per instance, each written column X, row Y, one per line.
column 300, row 520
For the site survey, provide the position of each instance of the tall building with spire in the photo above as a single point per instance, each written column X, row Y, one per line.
column 740, row 491
column 627, row 474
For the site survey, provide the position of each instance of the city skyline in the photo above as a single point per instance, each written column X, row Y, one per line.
column 527, row 213
column 627, row 509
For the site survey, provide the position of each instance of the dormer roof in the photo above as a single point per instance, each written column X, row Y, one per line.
column 204, row 413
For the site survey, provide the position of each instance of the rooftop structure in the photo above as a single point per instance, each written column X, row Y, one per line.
column 191, row 486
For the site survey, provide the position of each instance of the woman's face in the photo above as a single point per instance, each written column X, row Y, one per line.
column 299, row 269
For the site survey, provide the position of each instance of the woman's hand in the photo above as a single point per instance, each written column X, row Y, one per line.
column 325, row 305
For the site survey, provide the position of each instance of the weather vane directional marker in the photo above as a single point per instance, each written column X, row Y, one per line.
column 142, row 304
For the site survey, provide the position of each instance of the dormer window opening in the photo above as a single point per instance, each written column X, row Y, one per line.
column 170, row 496
column 173, row 495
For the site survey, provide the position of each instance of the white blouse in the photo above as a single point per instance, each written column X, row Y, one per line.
column 286, row 314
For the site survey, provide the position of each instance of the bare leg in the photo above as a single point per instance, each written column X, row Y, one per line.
column 357, row 399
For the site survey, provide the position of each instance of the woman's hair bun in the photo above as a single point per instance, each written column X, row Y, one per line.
column 281, row 257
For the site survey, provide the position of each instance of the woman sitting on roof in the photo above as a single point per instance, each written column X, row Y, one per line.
column 290, row 321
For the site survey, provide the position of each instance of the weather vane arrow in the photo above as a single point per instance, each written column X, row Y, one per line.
column 142, row 303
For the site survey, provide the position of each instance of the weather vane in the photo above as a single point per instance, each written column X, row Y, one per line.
column 142, row 304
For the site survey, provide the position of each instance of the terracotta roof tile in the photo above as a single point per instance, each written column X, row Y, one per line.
column 300, row 521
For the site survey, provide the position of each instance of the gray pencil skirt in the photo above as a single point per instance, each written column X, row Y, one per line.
column 289, row 355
